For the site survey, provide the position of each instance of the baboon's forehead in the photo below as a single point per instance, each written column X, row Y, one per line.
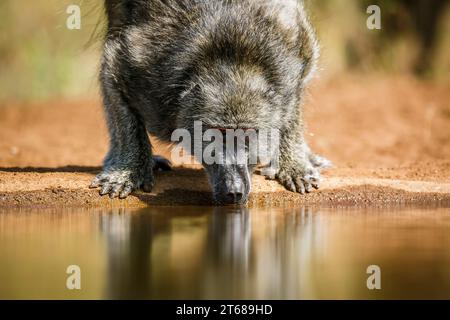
column 235, row 124
column 228, row 79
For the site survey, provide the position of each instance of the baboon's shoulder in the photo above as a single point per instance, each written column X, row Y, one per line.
column 292, row 16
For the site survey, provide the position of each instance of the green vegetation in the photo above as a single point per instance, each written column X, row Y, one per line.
column 39, row 57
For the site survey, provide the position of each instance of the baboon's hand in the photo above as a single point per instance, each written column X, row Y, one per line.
column 297, row 177
column 122, row 182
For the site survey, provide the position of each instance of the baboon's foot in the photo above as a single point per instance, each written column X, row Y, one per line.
column 298, row 177
column 319, row 162
column 122, row 181
column 161, row 164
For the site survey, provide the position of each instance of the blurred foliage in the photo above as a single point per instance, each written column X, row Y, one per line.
column 40, row 58
column 414, row 36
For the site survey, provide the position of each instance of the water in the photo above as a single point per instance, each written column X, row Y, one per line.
column 229, row 253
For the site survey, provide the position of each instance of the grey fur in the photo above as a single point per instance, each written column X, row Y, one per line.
column 227, row 63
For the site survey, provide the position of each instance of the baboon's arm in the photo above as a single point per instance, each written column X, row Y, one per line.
column 129, row 164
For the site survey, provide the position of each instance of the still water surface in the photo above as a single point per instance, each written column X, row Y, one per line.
column 226, row 253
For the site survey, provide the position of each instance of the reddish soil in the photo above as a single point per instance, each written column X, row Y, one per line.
column 388, row 138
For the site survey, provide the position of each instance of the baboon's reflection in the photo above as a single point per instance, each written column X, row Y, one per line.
column 206, row 252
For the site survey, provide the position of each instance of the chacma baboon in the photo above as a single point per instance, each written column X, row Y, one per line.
column 227, row 63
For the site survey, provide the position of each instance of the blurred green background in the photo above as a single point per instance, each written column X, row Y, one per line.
column 41, row 59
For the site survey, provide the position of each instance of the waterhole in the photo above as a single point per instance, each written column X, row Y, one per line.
column 226, row 253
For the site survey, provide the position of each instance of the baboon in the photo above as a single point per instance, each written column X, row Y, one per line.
column 233, row 64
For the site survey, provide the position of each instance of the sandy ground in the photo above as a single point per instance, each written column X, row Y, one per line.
column 388, row 138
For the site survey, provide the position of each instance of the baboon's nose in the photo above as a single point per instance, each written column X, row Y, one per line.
column 234, row 197
column 230, row 198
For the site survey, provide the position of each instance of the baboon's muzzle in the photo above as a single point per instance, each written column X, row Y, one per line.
column 231, row 184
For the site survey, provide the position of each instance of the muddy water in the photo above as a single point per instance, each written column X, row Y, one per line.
column 189, row 253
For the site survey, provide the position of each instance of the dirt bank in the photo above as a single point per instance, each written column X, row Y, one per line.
column 388, row 138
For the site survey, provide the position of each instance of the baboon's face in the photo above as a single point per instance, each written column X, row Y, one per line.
column 228, row 162
column 230, row 174
column 229, row 157
column 230, row 98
